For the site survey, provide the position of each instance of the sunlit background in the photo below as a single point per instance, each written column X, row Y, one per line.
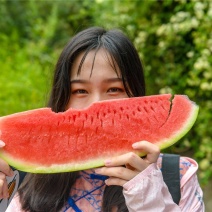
column 174, row 40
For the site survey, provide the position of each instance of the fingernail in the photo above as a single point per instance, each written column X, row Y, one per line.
column 135, row 145
column 107, row 162
column 2, row 144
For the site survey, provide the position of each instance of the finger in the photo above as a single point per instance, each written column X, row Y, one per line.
column 117, row 172
column 5, row 189
column 3, row 186
column 115, row 181
column 1, row 189
column 5, row 168
column 152, row 150
column 128, row 166
column 131, row 159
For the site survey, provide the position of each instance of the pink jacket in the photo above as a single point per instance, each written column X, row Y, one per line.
column 145, row 192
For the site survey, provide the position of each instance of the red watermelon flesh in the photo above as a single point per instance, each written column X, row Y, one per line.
column 42, row 141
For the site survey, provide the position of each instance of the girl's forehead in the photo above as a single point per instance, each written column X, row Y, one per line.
column 99, row 59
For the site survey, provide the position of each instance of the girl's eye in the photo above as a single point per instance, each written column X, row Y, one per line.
column 79, row 91
column 115, row 90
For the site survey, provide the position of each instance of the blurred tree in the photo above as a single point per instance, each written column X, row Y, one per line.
column 31, row 37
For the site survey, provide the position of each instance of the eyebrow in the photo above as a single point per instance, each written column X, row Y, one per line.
column 105, row 81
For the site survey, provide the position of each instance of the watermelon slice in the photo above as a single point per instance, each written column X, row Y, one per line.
column 41, row 141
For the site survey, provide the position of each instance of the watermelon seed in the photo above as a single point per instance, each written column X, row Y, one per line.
column 121, row 108
column 96, row 130
column 139, row 109
column 152, row 108
column 91, row 119
column 63, row 119
column 86, row 116
column 69, row 119
column 163, row 107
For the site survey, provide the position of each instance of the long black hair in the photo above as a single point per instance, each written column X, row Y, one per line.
column 49, row 192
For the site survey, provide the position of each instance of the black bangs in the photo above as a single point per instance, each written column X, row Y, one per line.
column 118, row 66
column 117, row 56
column 109, row 57
column 84, row 57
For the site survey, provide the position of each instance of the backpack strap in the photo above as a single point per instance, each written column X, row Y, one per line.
column 171, row 175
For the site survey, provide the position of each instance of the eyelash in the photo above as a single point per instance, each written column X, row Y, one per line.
column 78, row 91
column 117, row 89
column 110, row 90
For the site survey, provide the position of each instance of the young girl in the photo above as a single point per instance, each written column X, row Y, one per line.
column 98, row 65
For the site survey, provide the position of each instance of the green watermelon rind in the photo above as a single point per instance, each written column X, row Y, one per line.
column 182, row 131
column 93, row 163
column 54, row 168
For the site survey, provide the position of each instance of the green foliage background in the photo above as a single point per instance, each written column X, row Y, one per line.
column 174, row 40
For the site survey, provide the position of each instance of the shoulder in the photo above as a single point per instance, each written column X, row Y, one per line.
column 15, row 205
column 187, row 166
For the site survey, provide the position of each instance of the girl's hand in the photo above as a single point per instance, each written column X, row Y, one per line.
column 5, row 170
column 133, row 164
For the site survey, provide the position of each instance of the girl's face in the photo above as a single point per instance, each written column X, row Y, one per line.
column 102, row 83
